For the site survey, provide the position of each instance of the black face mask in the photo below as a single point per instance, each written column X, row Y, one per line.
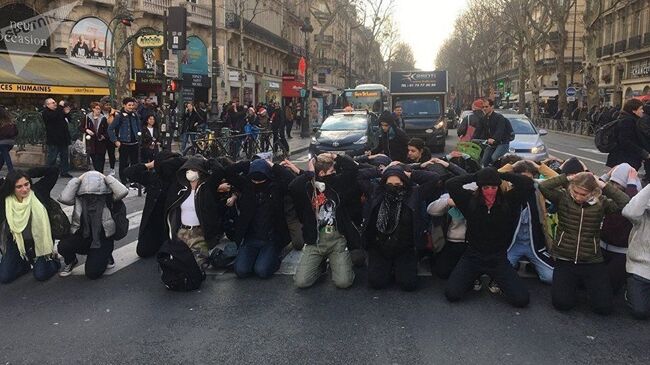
column 327, row 179
column 395, row 189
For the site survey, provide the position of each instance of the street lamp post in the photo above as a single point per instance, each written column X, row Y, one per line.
column 307, row 29
column 214, row 108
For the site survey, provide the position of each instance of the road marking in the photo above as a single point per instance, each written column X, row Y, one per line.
column 123, row 256
column 592, row 150
column 573, row 155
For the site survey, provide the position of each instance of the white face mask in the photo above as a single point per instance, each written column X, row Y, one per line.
column 191, row 175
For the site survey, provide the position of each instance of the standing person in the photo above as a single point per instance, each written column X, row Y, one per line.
column 190, row 125
column 277, row 124
column 109, row 113
column 578, row 257
column 643, row 126
column 8, row 133
column 638, row 254
column 261, row 228
column 397, row 115
column 467, row 129
column 93, row 225
column 150, row 139
column 629, row 148
column 57, row 135
column 486, row 208
column 395, row 227
column 392, row 141
column 497, row 131
column 95, row 130
column 125, row 134
column 28, row 242
column 288, row 120
column 325, row 199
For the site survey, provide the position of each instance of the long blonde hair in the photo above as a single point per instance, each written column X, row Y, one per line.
column 587, row 181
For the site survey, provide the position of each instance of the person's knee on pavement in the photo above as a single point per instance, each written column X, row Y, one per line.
column 343, row 281
column 563, row 304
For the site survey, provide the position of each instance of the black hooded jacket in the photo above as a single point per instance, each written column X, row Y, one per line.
column 630, row 147
column 343, row 189
column 205, row 199
column 156, row 183
column 274, row 190
column 56, row 127
column 421, row 188
column 393, row 144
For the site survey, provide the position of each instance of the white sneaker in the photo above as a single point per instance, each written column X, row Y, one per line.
column 112, row 172
column 67, row 270
column 111, row 263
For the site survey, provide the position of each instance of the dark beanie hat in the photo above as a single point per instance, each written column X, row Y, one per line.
column 381, row 160
column 386, row 117
column 259, row 170
column 572, row 166
column 394, row 171
column 488, row 176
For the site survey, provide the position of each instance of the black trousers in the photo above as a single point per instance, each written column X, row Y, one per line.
column 382, row 268
column 616, row 269
column 279, row 138
column 567, row 276
column 128, row 157
column 473, row 264
column 446, row 260
column 110, row 149
column 638, row 295
column 96, row 258
column 288, row 126
column 98, row 162
column 150, row 240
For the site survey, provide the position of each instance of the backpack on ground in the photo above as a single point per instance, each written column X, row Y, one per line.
column 118, row 213
column 178, row 268
column 606, row 137
column 59, row 222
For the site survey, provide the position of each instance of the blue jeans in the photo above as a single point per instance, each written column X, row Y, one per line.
column 493, row 153
column 13, row 266
column 257, row 256
column 5, row 157
column 186, row 138
column 54, row 151
column 519, row 250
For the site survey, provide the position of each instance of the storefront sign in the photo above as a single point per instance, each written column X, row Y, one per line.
column 150, row 41
column 144, row 65
column 193, row 80
column 55, row 90
column 146, row 77
column 639, row 69
column 274, row 85
column 89, row 43
column 194, row 59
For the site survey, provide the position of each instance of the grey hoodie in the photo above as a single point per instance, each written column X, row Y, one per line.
column 638, row 252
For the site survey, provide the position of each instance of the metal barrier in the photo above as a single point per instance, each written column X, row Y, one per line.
column 580, row 127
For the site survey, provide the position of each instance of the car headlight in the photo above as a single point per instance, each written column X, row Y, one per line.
column 314, row 141
column 362, row 140
column 440, row 124
column 538, row 149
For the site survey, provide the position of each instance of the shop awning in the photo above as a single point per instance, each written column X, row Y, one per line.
column 291, row 89
column 548, row 93
column 49, row 75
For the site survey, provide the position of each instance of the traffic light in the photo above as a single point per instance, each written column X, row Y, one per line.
column 500, row 84
column 508, row 93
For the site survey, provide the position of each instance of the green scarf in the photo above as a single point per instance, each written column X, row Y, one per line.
column 18, row 215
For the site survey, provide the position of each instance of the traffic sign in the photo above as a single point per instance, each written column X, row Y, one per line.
column 571, row 98
column 571, row 91
column 171, row 68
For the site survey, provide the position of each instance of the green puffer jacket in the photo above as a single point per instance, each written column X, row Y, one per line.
column 578, row 231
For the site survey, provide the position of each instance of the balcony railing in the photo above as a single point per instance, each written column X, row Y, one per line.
column 326, row 38
column 201, row 14
column 327, row 62
column 198, row 14
column 255, row 31
column 157, row 7
column 608, row 50
column 634, row 42
column 620, row 46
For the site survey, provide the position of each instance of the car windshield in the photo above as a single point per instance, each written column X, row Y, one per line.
column 345, row 123
column 420, row 106
column 522, row 125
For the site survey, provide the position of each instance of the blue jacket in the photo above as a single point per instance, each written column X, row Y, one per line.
column 122, row 122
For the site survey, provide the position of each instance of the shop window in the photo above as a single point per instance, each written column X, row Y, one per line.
column 322, row 78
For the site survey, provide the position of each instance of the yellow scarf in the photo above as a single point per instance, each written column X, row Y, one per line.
column 18, row 215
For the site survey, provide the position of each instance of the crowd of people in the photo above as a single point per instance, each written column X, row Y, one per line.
column 389, row 210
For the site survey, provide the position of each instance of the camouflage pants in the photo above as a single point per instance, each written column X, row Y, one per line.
column 195, row 240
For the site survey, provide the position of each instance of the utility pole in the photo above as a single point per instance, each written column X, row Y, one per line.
column 573, row 47
column 307, row 29
column 214, row 108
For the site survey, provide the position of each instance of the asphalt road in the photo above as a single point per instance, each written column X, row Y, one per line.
column 128, row 317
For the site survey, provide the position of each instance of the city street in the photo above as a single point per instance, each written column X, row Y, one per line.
column 128, row 317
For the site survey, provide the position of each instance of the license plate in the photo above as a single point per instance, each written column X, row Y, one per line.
column 338, row 152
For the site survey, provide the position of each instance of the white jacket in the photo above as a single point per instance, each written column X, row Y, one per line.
column 638, row 252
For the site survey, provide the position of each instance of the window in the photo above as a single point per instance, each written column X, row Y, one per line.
column 322, row 78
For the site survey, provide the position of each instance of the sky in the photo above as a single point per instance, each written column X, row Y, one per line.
column 425, row 24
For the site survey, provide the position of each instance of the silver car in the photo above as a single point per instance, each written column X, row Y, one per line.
column 528, row 143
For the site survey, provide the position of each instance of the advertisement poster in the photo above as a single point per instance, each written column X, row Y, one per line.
column 194, row 59
column 316, row 111
column 88, row 42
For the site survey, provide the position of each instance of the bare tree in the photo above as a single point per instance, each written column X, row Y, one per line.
column 375, row 15
column 325, row 12
column 121, row 73
column 558, row 12
column 388, row 41
column 403, row 59
column 246, row 11
column 593, row 19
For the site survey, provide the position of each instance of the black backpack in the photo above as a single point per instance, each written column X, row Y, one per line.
column 606, row 137
column 118, row 213
column 178, row 268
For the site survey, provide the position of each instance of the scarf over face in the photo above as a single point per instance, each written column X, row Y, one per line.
column 18, row 217
column 390, row 209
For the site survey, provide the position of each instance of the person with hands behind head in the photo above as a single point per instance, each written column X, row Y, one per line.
column 327, row 201
column 582, row 201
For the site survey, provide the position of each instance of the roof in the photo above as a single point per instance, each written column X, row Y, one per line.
column 48, row 70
